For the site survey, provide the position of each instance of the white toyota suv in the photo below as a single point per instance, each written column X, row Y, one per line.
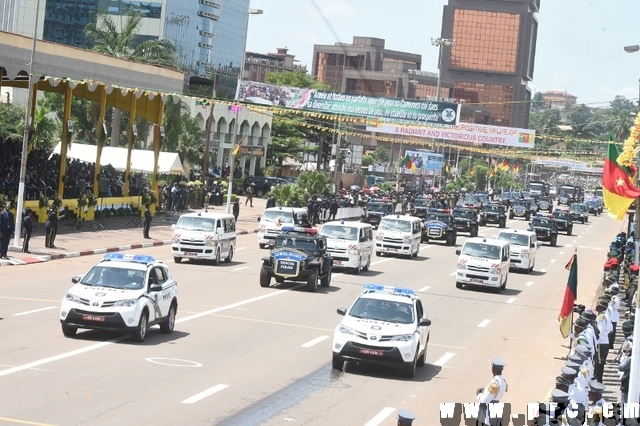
column 122, row 293
column 386, row 326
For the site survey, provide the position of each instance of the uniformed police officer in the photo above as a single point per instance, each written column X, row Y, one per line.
column 493, row 392
column 405, row 417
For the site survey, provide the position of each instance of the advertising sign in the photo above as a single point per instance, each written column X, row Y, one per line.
column 462, row 132
column 410, row 110
column 425, row 160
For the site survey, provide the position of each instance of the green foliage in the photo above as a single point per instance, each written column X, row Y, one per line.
column 11, row 122
column 294, row 79
column 148, row 197
column 387, row 186
column 84, row 114
column 43, row 201
column 537, row 103
column 46, row 131
column 309, row 184
column 381, row 155
column 367, row 160
column 272, row 170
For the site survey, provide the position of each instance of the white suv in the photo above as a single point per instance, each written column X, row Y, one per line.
column 386, row 326
column 122, row 293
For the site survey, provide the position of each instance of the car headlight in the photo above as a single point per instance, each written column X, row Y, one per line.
column 354, row 251
column 72, row 298
column 211, row 243
column 346, row 330
column 379, row 237
column 125, row 303
column 495, row 270
column 402, row 338
column 175, row 240
column 525, row 255
column 462, row 266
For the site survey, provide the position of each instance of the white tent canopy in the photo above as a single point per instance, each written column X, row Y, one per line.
column 141, row 160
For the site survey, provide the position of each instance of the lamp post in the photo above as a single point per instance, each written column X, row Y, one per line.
column 439, row 43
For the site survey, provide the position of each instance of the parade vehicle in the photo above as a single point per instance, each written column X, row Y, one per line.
column 523, row 248
column 483, row 262
column 421, row 206
column 466, row 220
column 399, row 234
column 545, row 203
column 385, row 326
column 298, row 254
column 538, row 187
column 472, row 201
column 495, row 214
column 262, row 184
column 544, row 225
column 570, row 194
column 520, row 208
column 204, row 236
column 579, row 212
column 272, row 221
column 594, row 206
column 350, row 244
column 121, row 293
column 564, row 221
column 508, row 198
column 439, row 225
column 374, row 211
column 598, row 192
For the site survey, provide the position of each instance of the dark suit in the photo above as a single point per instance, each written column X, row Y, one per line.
column 147, row 223
column 7, row 227
column 27, row 225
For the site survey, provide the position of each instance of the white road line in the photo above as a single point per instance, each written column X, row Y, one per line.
column 423, row 289
column 204, row 394
column 543, row 270
column 529, row 284
column 567, row 245
column 561, row 252
column 315, row 341
column 510, row 301
column 453, row 273
column 425, row 247
column 380, row 261
column 380, row 417
column 240, row 269
column 34, row 311
column 484, row 323
column 240, row 248
column 339, row 274
column 552, row 261
column 573, row 241
column 444, row 358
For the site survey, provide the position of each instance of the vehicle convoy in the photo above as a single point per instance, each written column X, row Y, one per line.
column 375, row 211
column 298, row 254
column 538, row 188
column 483, row 262
column 204, row 236
column 544, row 225
column 520, row 208
column 523, row 248
column 399, row 234
column 439, row 225
column 494, row 214
column 570, row 194
column 545, row 203
column 472, row 201
column 594, row 206
column 564, row 221
column 272, row 221
column 466, row 220
column 350, row 244
column 421, row 206
column 579, row 212
column 384, row 326
column 121, row 293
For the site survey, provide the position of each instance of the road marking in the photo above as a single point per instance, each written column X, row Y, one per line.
column 23, row 422
column 567, row 245
column 561, row 252
column 315, row 341
column 381, row 416
column 513, row 299
column 552, row 261
column 529, row 284
column 35, row 310
column 240, row 248
column 423, row 289
column 484, row 323
column 204, row 394
column 425, row 247
column 380, row 261
column 543, row 270
column 240, row 269
column 444, row 358
column 453, row 273
column 573, row 241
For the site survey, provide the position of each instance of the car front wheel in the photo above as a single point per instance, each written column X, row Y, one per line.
column 265, row 279
column 69, row 331
column 410, row 370
column 312, row 281
column 337, row 363
column 141, row 332
column 167, row 326
column 326, row 281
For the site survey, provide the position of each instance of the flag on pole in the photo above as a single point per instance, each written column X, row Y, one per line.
column 407, row 163
column 505, row 165
column 471, row 171
column 570, row 295
column 237, row 148
column 617, row 190
column 516, row 168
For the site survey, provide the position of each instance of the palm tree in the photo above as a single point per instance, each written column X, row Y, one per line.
column 123, row 44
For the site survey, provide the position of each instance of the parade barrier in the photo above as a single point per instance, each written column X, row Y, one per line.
column 344, row 213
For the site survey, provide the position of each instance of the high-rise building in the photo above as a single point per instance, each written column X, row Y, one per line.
column 257, row 65
column 493, row 57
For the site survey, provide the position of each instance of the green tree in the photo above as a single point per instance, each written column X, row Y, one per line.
column 367, row 160
column 45, row 129
column 381, row 155
column 11, row 122
column 537, row 103
column 309, row 184
column 190, row 146
column 294, row 79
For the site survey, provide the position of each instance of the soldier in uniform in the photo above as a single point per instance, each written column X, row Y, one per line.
column 493, row 392
column 604, row 325
column 595, row 399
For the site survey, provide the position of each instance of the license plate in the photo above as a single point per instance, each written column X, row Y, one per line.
column 434, row 232
column 337, row 262
column 392, row 249
column 513, row 265
column 190, row 254
column 93, row 318
column 476, row 280
column 371, row 352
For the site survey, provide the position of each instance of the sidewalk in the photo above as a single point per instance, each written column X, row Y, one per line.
column 120, row 234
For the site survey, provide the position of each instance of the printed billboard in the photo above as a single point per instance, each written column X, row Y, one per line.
column 425, row 160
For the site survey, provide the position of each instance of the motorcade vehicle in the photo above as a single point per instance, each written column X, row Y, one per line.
column 483, row 262
column 579, row 212
column 439, row 225
column 521, row 209
column 374, row 211
column 399, row 235
column 523, row 248
column 466, row 220
column 273, row 219
column 494, row 214
column 421, row 206
column 350, row 244
column 564, row 221
column 204, row 236
column 544, row 225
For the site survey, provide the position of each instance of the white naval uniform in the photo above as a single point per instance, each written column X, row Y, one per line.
column 493, row 392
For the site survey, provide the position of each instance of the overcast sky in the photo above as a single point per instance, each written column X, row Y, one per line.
column 580, row 42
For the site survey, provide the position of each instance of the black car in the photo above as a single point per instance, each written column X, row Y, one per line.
column 466, row 220
column 298, row 254
column 439, row 225
column 420, row 207
column 545, row 203
column 579, row 212
column 374, row 211
column 545, row 228
column 520, row 208
column 594, row 206
column 494, row 214
column 262, row 184
column 564, row 221
column 472, row 201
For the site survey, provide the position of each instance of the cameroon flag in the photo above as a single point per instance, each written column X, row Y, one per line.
column 570, row 296
column 617, row 190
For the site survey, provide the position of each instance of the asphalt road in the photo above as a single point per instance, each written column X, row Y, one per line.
column 245, row 355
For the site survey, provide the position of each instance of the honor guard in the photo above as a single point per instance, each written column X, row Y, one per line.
column 493, row 392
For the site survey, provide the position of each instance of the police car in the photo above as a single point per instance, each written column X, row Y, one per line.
column 385, row 326
column 122, row 293
column 439, row 225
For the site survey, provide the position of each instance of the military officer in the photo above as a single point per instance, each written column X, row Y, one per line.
column 604, row 325
column 595, row 399
column 493, row 392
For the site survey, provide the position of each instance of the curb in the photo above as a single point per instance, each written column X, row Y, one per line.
column 89, row 252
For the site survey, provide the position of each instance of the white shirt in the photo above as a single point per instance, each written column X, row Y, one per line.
column 494, row 391
column 604, row 325
column 614, row 306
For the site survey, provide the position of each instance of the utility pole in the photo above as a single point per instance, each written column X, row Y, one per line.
column 207, row 145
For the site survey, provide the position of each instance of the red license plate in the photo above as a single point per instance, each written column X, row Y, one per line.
column 189, row 254
column 475, row 280
column 371, row 352
column 93, row 318
column 337, row 262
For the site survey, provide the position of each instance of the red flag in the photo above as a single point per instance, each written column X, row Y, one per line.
column 570, row 295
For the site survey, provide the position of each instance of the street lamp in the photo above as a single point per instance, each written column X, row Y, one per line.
column 439, row 43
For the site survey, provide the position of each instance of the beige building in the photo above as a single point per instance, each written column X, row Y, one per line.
column 257, row 65
column 558, row 99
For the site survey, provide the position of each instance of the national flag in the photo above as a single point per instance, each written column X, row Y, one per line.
column 493, row 172
column 570, row 296
column 471, row 171
column 617, row 190
column 237, row 148
column 407, row 163
column 504, row 166
column 516, row 168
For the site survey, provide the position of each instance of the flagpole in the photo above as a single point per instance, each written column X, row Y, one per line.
column 634, row 379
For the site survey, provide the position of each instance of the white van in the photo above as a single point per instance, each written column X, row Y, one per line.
column 350, row 244
column 206, row 236
column 272, row 220
column 524, row 247
column 483, row 261
column 398, row 234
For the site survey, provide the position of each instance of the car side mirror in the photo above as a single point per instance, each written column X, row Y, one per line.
column 219, row 231
column 173, row 227
column 363, row 239
column 458, row 252
column 342, row 311
column 505, row 258
column 425, row 322
column 533, row 245
column 155, row 287
column 76, row 280
column 259, row 218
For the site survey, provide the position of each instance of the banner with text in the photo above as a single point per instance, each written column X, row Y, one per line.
column 415, row 111
column 462, row 132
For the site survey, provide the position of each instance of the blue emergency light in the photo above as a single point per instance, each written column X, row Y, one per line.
column 137, row 258
column 378, row 288
column 288, row 228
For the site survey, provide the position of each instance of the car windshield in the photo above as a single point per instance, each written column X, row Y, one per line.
column 470, row 199
column 481, row 250
column 543, row 223
column 379, row 207
column 578, row 207
column 395, row 225
column 468, row 214
column 521, row 203
column 439, row 217
column 483, row 197
column 513, row 238
column 562, row 216
column 505, row 195
column 340, row 232
column 285, row 216
column 383, row 310
column 493, row 209
column 421, row 202
column 106, row 276
column 300, row 243
column 194, row 223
